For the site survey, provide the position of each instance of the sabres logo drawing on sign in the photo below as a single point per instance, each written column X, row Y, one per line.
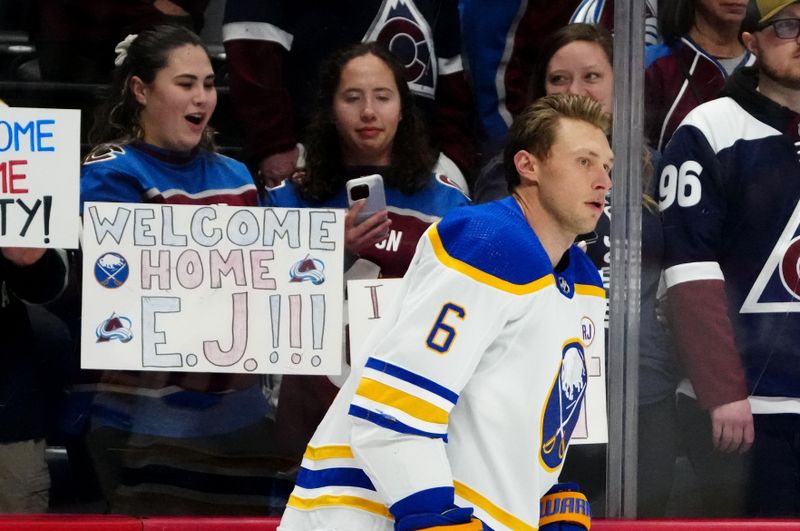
column 562, row 409
column 777, row 287
column 308, row 270
column 111, row 270
column 115, row 328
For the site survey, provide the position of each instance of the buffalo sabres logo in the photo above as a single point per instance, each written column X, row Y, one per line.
column 777, row 287
column 111, row 270
column 563, row 285
column 116, row 327
column 563, row 404
column 308, row 270
column 401, row 28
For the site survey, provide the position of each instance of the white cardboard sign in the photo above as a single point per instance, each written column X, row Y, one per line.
column 212, row 288
column 370, row 300
column 39, row 171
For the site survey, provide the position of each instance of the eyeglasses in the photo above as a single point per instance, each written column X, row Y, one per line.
column 785, row 28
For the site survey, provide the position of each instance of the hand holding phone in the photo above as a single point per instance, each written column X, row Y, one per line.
column 367, row 221
column 370, row 188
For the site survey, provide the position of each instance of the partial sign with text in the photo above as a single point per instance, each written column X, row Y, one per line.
column 39, row 171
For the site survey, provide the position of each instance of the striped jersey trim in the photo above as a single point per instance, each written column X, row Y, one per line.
column 256, row 31
column 307, row 504
column 333, row 477
column 401, row 400
column 590, row 290
column 691, row 272
column 481, row 276
column 171, row 192
column 328, row 452
column 483, row 503
column 412, row 378
column 391, row 423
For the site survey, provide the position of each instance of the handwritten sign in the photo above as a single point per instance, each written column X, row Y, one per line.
column 369, row 301
column 212, row 288
column 39, row 171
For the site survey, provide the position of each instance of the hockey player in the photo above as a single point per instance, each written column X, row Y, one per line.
column 486, row 352
column 729, row 193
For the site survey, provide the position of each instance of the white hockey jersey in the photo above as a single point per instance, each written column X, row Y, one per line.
column 471, row 389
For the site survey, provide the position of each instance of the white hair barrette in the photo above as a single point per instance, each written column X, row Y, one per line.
column 122, row 49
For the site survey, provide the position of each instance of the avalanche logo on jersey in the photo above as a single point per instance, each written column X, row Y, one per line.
column 563, row 405
column 104, row 153
column 777, row 287
column 402, row 29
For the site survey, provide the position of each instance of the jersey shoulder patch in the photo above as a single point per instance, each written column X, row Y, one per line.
column 492, row 239
column 103, row 153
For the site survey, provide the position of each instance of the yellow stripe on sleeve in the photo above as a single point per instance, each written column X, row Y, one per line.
column 328, row 452
column 502, row 516
column 416, row 407
column 481, row 276
column 305, row 504
column 589, row 289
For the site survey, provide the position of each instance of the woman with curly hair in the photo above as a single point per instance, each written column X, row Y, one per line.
column 364, row 123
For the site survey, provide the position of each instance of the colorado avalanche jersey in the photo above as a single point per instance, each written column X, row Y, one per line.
column 471, row 390
column 142, row 173
column 729, row 190
column 411, row 215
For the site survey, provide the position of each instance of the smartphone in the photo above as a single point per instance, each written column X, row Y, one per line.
column 369, row 187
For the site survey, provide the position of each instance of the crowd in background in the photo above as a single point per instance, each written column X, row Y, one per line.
column 421, row 92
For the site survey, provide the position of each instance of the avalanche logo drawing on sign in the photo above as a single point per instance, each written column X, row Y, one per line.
column 777, row 287
column 116, row 328
column 111, row 270
column 308, row 269
column 563, row 405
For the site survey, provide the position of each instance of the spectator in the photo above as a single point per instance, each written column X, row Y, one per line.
column 452, row 421
column 75, row 39
column 30, row 276
column 502, row 40
column 575, row 59
column 362, row 87
column 701, row 49
column 730, row 222
column 172, row 443
column 274, row 50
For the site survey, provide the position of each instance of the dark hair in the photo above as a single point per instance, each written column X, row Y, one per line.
column 412, row 156
column 534, row 129
column 117, row 118
column 560, row 38
column 675, row 19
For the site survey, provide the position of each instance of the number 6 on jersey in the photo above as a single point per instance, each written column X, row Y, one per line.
column 442, row 335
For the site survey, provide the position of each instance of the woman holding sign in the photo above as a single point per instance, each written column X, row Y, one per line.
column 185, row 443
column 365, row 124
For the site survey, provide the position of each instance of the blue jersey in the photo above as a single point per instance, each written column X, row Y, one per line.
column 141, row 173
column 729, row 193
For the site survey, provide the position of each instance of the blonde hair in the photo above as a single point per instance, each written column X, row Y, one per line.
column 534, row 129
